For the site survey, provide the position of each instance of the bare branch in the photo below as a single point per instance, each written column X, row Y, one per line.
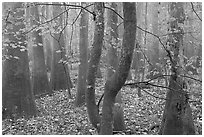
column 146, row 58
column 77, row 17
column 152, row 94
column 46, row 21
column 114, row 12
column 195, row 11
column 191, row 78
column 79, row 6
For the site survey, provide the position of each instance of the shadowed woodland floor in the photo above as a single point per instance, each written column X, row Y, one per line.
column 57, row 114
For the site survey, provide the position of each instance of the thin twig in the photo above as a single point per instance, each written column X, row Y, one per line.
column 148, row 61
column 152, row 94
column 195, row 11
column 46, row 22
column 79, row 6
column 114, row 12
column 191, row 78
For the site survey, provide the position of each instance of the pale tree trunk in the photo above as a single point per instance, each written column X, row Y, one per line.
column 48, row 41
column 115, row 83
column 177, row 117
column 93, row 63
column 83, row 63
column 137, row 64
column 17, row 96
column 145, row 40
column 60, row 77
column 40, row 79
column 154, row 57
column 112, row 58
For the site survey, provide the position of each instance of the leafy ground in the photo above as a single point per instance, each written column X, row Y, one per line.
column 57, row 114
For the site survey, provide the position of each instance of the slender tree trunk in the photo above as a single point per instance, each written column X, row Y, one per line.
column 83, row 63
column 40, row 79
column 177, row 117
column 48, row 41
column 145, row 39
column 137, row 63
column 92, row 108
column 154, row 56
column 17, row 96
column 115, row 83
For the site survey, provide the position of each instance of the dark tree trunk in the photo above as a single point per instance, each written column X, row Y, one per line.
column 95, row 54
column 83, row 63
column 177, row 117
column 17, row 96
column 115, row 83
column 112, row 58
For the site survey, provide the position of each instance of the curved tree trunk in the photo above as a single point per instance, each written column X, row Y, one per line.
column 83, row 63
column 177, row 117
column 95, row 54
column 115, row 83
column 112, row 58
column 17, row 96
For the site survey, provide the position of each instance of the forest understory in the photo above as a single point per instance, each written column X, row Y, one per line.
column 78, row 68
column 57, row 114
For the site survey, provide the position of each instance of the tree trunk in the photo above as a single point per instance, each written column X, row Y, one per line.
column 115, row 83
column 17, row 96
column 60, row 77
column 48, row 41
column 40, row 79
column 112, row 58
column 177, row 117
column 138, row 64
column 83, row 63
column 154, row 56
column 92, row 108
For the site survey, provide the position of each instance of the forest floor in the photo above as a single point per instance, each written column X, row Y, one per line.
column 58, row 116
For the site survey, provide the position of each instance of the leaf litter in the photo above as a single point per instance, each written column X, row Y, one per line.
column 58, row 116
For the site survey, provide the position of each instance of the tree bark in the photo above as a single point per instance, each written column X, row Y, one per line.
column 17, row 96
column 40, row 79
column 154, row 69
column 93, row 63
column 83, row 63
column 48, row 40
column 137, row 63
column 60, row 77
column 115, row 83
column 112, row 58
column 177, row 117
